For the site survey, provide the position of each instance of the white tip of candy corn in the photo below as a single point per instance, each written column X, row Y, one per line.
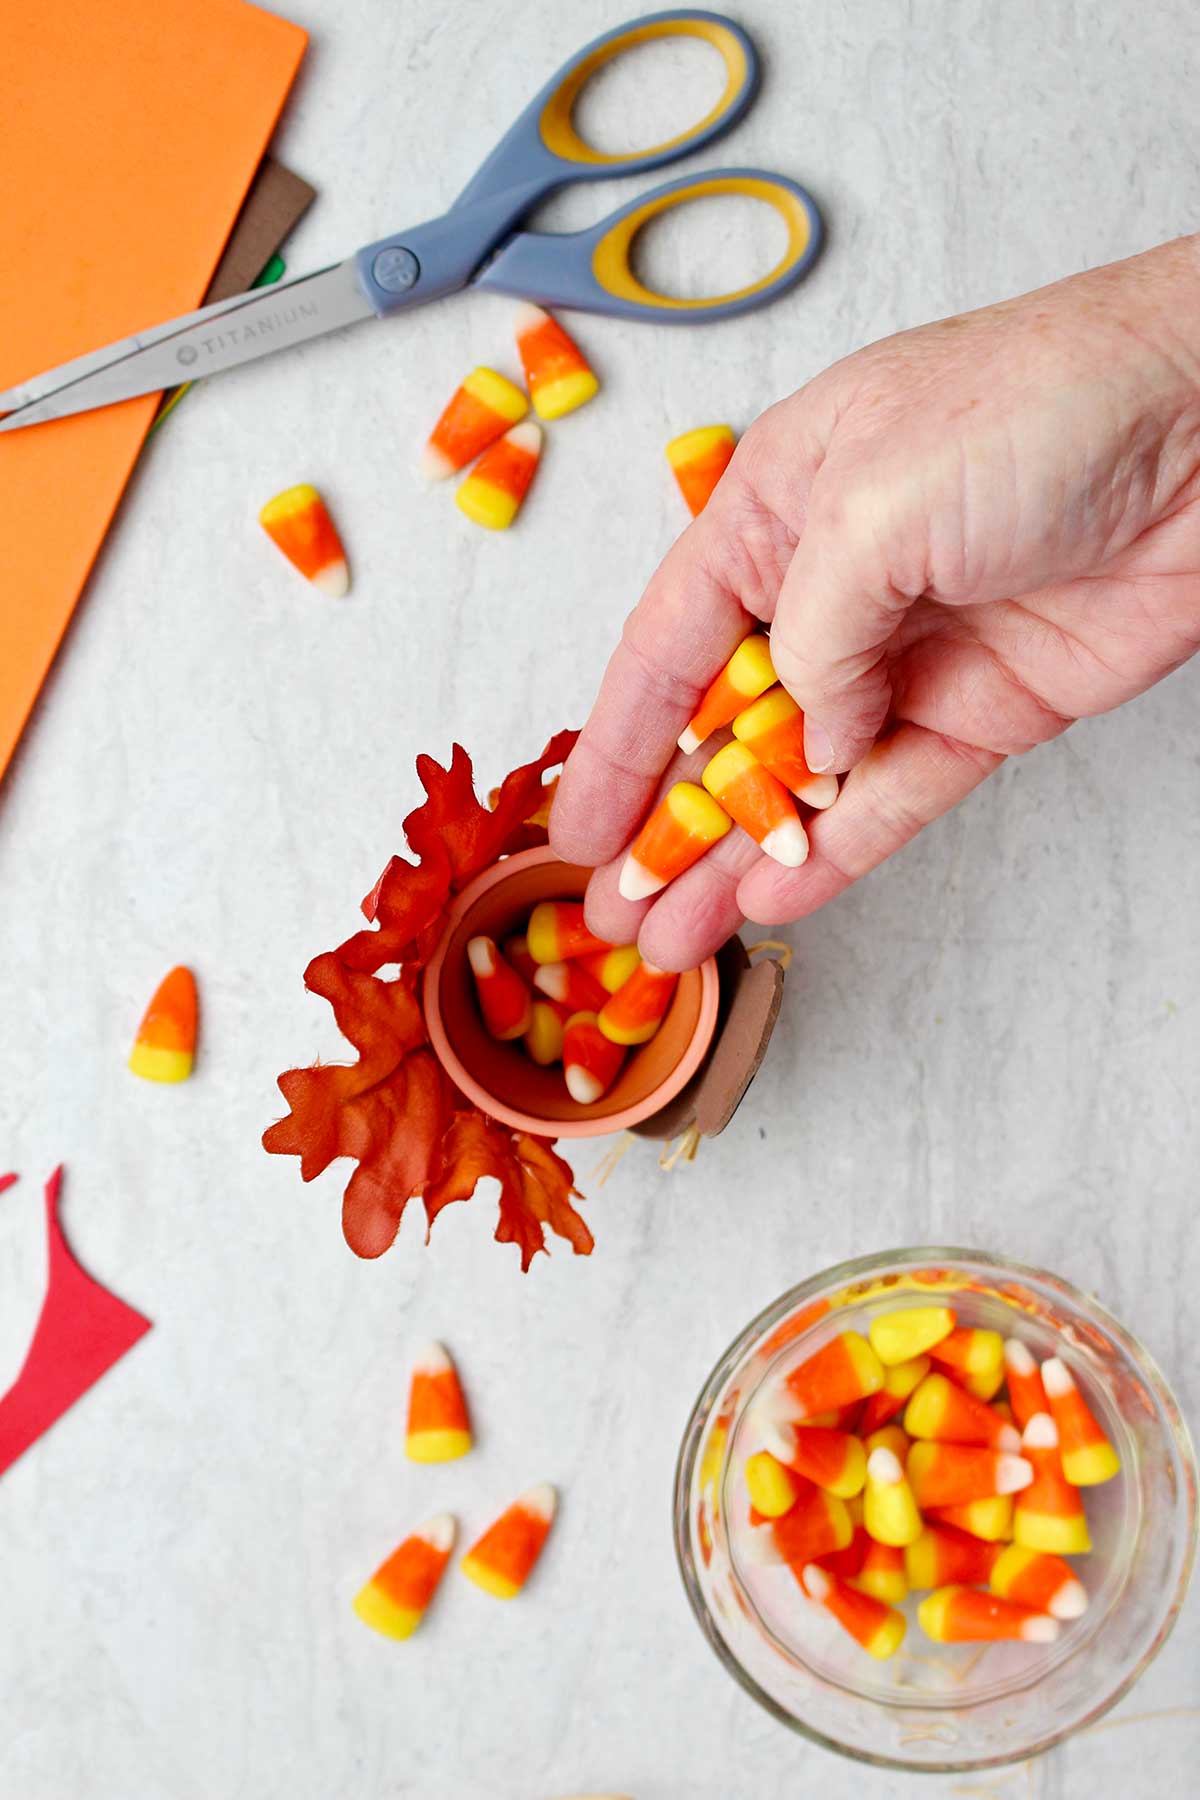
column 1056, row 1377
column 527, row 318
column 541, row 1501
column 883, row 1465
column 333, row 579
column 435, row 465
column 552, row 980
column 820, row 792
column 1041, row 1433
column 582, row 1085
column 787, row 844
column 1070, row 1602
column 1009, row 1440
column 526, row 436
column 637, row 882
column 777, row 1436
column 439, row 1532
column 1012, row 1474
column 433, row 1359
column 1041, row 1629
column 481, row 955
column 688, row 741
column 815, row 1581
column 1019, row 1356
column 759, row 1549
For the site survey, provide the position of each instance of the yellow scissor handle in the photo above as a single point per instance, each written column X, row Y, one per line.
column 556, row 120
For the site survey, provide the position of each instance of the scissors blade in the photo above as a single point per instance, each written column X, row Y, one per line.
column 200, row 343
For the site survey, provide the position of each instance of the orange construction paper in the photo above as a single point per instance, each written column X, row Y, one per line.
column 129, row 136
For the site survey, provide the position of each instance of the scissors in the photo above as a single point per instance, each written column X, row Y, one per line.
column 476, row 244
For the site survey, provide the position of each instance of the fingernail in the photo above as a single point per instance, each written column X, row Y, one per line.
column 818, row 747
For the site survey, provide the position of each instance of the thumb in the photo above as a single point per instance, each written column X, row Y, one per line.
column 837, row 612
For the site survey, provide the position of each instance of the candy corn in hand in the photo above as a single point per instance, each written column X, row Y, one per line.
column 698, row 460
column 165, row 1046
column 772, row 729
column 685, row 823
column 479, row 412
column 395, row 1599
column 439, row 1429
column 556, row 369
column 502, row 1561
column 747, row 674
column 757, row 802
column 298, row 522
column 504, row 1000
column 492, row 493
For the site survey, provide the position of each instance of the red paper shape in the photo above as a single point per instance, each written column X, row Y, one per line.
column 82, row 1331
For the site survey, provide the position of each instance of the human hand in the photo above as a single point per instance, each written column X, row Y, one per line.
column 963, row 538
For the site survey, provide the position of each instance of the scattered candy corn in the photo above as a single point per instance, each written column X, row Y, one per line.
column 686, row 822
column 698, row 460
column 439, row 1429
column 556, row 931
column 504, row 1000
column 1087, row 1456
column 298, row 522
column 502, row 1560
column 591, row 1061
column 492, row 493
column 908, row 1331
column 634, row 1013
column 759, row 803
column 772, row 729
column 165, row 1046
column 962, row 1615
column 479, row 412
column 879, row 1628
column 395, row 1599
column 747, row 674
column 556, row 369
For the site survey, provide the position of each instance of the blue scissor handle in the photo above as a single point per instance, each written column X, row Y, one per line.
column 591, row 270
column 542, row 151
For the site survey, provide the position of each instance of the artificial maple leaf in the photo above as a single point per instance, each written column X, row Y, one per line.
column 536, row 1186
column 474, row 836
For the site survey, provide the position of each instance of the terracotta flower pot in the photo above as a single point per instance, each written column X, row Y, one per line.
column 500, row 1078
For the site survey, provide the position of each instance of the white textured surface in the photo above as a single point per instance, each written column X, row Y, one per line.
column 995, row 1041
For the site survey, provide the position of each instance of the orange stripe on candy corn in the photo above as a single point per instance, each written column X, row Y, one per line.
column 502, row 1560
column 439, row 1429
column 940, row 1410
column 504, row 1000
column 698, row 460
column 591, row 1062
column 634, row 1013
column 815, row 1525
column 612, row 968
column 756, row 801
column 747, row 674
column 899, row 1380
column 165, row 1046
column 1087, row 1456
column 841, row 1372
column 1044, row 1582
column 559, row 375
column 772, row 729
column 835, row 1460
column 874, row 1625
column 492, row 493
column 949, row 1474
column 962, row 1615
column 569, row 984
column 298, row 522
column 397, row 1596
column 1049, row 1514
column 943, row 1555
column 479, row 412
column 515, row 951
column 685, row 823
column 556, row 932
column 1026, row 1395
column 882, row 1574
column 990, row 1519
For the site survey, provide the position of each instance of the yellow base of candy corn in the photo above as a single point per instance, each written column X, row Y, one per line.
column 888, row 1585
column 383, row 1615
column 908, row 1331
column 445, row 1445
column 499, row 1586
column 153, row 1063
column 1089, row 1465
column 888, row 1639
column 771, row 1488
column 1061, row 1536
column 551, row 399
column 486, row 505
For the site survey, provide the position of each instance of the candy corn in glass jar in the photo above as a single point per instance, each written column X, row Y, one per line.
column 936, row 1510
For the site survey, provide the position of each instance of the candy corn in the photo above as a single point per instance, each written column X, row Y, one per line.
column 847, row 1563
column 1087, row 1456
column 881, row 1573
column 816, row 1524
column 772, row 729
column 612, row 968
column 570, row 985
column 698, row 460
column 685, row 823
column 1049, row 1515
column 544, row 1039
column 515, row 951
column 899, row 1380
column 591, row 1062
column 889, row 1508
column 962, row 1615
column 844, row 1370
column 833, row 1459
column 1046, row 1583
column 492, row 493
column 990, row 1518
column 634, row 1013
column 556, row 931
column 772, row 1489
column 948, row 1474
column 879, row 1628
column 165, row 1046
column 943, row 1555
column 438, row 1427
column 757, row 802
column 502, row 1560
column 555, row 368
column 395, row 1599
column 975, row 1357
column 949, row 1415
column 745, row 676
column 908, row 1331
column 480, row 411
column 504, row 1000
column 1026, row 1394
column 298, row 522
